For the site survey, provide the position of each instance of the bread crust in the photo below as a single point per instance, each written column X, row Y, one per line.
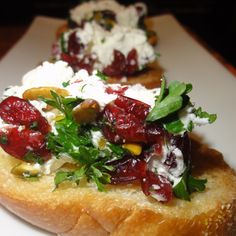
column 124, row 210
column 150, row 77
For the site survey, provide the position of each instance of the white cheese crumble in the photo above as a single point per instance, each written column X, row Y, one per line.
column 54, row 163
column 157, row 165
column 126, row 16
column 186, row 115
column 96, row 138
column 102, row 43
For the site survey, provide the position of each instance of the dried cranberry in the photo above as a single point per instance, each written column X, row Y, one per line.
column 128, row 170
column 125, row 120
column 118, row 66
column 118, row 91
column 18, row 142
column 183, row 143
column 154, row 133
column 138, row 108
column 18, row 111
column 74, row 44
column 132, row 62
column 86, row 63
column 131, row 169
column 171, row 160
column 158, row 186
column 130, row 128
column 121, row 126
column 71, row 60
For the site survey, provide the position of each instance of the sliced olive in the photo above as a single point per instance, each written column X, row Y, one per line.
column 86, row 112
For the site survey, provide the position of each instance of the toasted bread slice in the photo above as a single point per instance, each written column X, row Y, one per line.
column 150, row 77
column 125, row 210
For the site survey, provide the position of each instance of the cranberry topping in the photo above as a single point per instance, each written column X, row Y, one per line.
column 133, row 106
column 132, row 62
column 131, row 169
column 128, row 170
column 86, row 62
column 125, row 122
column 18, row 111
column 118, row 65
column 74, row 44
column 121, row 66
column 118, row 91
column 158, row 186
column 20, row 142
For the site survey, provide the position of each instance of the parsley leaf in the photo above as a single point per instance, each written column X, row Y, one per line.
column 75, row 140
column 101, row 76
column 170, row 100
column 76, row 176
column 32, row 157
column 63, row 104
column 187, row 185
column 63, row 43
column 203, row 114
column 65, row 84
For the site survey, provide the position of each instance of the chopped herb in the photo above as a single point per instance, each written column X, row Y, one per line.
column 101, row 76
column 65, row 84
column 203, row 114
column 175, row 127
column 75, row 176
column 32, row 157
column 157, row 54
column 75, row 140
column 63, row 43
column 163, row 88
column 83, row 87
column 63, row 104
column 187, row 185
column 3, row 139
column 170, row 101
column 34, row 125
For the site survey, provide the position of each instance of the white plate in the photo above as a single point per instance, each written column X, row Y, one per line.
column 183, row 59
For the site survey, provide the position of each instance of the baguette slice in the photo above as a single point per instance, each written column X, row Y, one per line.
column 124, row 210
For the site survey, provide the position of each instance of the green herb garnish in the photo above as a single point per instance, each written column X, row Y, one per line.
column 170, row 102
column 75, row 140
column 63, row 104
column 101, row 76
column 202, row 114
column 3, row 139
column 33, row 158
column 65, row 84
column 34, row 125
column 187, row 185
column 63, row 43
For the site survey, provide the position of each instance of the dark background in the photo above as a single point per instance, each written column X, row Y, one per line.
column 213, row 21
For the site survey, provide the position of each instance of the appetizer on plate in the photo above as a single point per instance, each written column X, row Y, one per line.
column 108, row 37
column 83, row 157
